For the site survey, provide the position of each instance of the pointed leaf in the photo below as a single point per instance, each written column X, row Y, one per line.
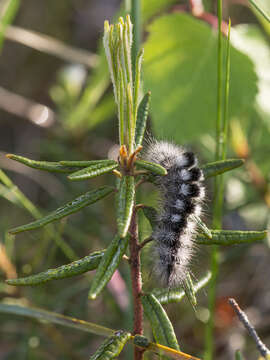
column 108, row 265
column 93, row 171
column 51, row 166
column 156, row 169
column 86, row 163
column 160, row 323
column 201, row 225
column 219, row 167
column 142, row 118
column 87, row 263
column 125, row 203
column 190, row 290
column 166, row 296
column 151, row 214
column 112, row 346
column 73, row 206
column 55, row 318
column 229, row 237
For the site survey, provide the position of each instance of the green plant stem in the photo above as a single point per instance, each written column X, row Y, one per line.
column 137, row 30
column 136, row 279
column 218, row 201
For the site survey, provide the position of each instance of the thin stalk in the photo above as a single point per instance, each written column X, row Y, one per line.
column 136, row 279
column 218, row 200
column 137, row 29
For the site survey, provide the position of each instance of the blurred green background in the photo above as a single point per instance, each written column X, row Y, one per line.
column 56, row 103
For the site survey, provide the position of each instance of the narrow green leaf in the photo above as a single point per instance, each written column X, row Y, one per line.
column 93, row 171
column 112, row 346
column 202, row 226
column 55, row 318
column 86, row 163
column 219, row 167
column 125, row 202
column 238, row 355
column 142, row 118
column 108, row 265
column 189, row 290
column 87, row 263
column 160, row 323
column 151, row 214
column 73, row 206
column 166, row 296
column 229, row 237
column 152, row 167
column 7, row 14
column 51, row 166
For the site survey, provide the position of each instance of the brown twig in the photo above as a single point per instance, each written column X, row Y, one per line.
column 264, row 351
column 136, row 279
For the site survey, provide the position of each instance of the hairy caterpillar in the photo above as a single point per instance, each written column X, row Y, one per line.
column 182, row 193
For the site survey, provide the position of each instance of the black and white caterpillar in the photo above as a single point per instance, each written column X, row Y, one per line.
column 182, row 193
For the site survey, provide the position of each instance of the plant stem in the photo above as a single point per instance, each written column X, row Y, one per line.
column 136, row 279
column 218, row 201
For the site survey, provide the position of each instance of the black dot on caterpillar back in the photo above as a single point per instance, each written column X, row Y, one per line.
column 182, row 193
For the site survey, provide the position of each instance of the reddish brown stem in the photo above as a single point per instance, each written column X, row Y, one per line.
column 136, row 279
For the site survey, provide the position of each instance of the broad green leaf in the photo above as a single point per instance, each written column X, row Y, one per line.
column 42, row 165
column 166, row 296
column 152, row 167
column 86, row 163
column 8, row 10
column 231, row 237
column 112, row 346
column 125, row 203
column 151, row 8
column 73, row 206
column 181, row 53
column 219, row 167
column 142, row 119
column 93, row 171
column 108, row 265
column 151, row 214
column 55, row 318
column 201, row 225
column 190, row 290
column 87, row 263
column 159, row 321
column 251, row 40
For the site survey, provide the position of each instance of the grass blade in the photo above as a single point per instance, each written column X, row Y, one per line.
column 93, row 171
column 125, row 202
column 190, row 290
column 108, row 265
column 42, row 165
column 167, row 296
column 219, row 167
column 73, row 206
column 156, row 169
column 160, row 323
column 55, row 318
column 201, row 225
column 87, row 263
column 142, row 118
column 228, row 237
column 112, row 346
